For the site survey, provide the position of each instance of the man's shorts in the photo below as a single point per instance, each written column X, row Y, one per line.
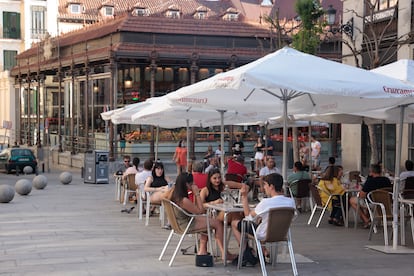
column 248, row 227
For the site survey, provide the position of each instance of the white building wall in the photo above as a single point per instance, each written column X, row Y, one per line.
column 351, row 134
column 7, row 98
column 351, row 147
column 350, row 7
column 404, row 16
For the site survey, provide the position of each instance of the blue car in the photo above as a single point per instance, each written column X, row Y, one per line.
column 12, row 159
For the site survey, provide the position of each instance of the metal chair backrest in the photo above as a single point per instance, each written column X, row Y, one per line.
column 315, row 194
column 278, row 224
column 303, row 188
column 131, row 182
column 383, row 197
column 233, row 177
column 408, row 194
column 409, row 183
column 169, row 207
column 354, row 175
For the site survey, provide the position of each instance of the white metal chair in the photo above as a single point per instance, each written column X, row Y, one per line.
column 408, row 194
column 318, row 204
column 129, row 187
column 148, row 208
column 141, row 199
column 381, row 200
column 278, row 230
column 171, row 208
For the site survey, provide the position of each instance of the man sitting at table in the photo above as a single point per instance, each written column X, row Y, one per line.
column 268, row 169
column 273, row 186
column 374, row 181
column 298, row 174
column 409, row 166
column 236, row 166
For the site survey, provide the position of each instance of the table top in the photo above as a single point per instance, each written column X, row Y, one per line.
column 228, row 207
column 406, row 200
column 225, row 207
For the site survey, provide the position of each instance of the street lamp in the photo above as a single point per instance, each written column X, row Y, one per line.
column 331, row 15
column 95, row 86
column 347, row 28
column 128, row 81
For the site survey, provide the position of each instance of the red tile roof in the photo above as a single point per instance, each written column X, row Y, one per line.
column 249, row 10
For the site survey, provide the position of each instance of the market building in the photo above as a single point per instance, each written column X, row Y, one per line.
column 63, row 83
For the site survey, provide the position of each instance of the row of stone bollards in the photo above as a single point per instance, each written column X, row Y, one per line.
column 24, row 186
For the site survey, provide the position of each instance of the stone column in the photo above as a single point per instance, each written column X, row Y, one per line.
column 193, row 78
column 153, row 70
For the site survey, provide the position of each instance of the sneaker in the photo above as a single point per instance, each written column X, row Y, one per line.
column 167, row 227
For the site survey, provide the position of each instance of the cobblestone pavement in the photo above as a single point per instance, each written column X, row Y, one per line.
column 79, row 229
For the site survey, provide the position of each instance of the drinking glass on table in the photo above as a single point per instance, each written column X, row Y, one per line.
column 225, row 197
column 260, row 196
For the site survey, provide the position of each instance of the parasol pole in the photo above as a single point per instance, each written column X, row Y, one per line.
column 396, row 186
column 285, row 137
column 222, row 141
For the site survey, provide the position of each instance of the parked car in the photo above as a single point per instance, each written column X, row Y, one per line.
column 17, row 158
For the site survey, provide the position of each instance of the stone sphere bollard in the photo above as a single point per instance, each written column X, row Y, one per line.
column 23, row 187
column 27, row 170
column 6, row 193
column 65, row 178
column 40, row 182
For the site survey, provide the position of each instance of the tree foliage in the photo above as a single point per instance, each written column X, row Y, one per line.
column 307, row 39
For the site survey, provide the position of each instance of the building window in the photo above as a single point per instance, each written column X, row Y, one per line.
column 38, row 26
column 383, row 4
column 75, row 8
column 173, row 12
column 200, row 15
column 231, row 15
column 140, row 12
column 9, row 58
column 201, row 12
column 11, row 25
column 108, row 11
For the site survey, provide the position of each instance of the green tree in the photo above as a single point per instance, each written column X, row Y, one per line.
column 307, row 39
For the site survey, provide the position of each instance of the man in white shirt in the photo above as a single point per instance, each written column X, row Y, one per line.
column 273, row 186
column 409, row 166
column 268, row 169
column 141, row 176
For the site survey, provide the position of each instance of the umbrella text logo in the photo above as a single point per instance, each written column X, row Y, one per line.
column 193, row 100
column 224, row 82
column 398, row 91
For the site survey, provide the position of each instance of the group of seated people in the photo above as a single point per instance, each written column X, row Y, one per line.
column 330, row 184
column 192, row 191
column 273, row 186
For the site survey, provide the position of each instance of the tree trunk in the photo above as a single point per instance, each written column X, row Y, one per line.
column 373, row 143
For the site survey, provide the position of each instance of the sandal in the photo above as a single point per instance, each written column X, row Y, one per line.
column 337, row 222
column 367, row 225
column 330, row 221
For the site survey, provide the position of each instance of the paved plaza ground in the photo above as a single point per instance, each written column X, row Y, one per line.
column 78, row 229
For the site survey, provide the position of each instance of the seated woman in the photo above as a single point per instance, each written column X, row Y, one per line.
column 183, row 183
column 157, row 183
column 212, row 192
column 332, row 185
